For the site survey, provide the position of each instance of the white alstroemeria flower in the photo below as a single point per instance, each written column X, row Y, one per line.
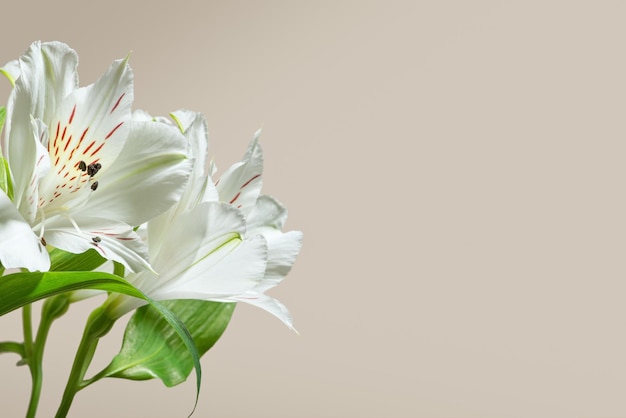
column 203, row 249
column 83, row 172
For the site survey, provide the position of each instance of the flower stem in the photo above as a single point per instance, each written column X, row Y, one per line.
column 98, row 325
column 52, row 309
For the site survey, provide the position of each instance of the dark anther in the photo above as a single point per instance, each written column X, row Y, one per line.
column 43, row 241
column 92, row 169
column 82, row 166
column 96, row 239
column 94, row 185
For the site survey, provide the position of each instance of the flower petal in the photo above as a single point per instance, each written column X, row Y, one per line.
column 282, row 251
column 90, row 126
column 11, row 71
column 27, row 193
column 241, row 184
column 268, row 304
column 228, row 271
column 267, row 213
column 146, row 179
column 180, row 242
column 19, row 246
column 113, row 240
column 200, row 187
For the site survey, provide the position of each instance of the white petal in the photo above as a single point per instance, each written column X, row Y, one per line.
column 200, row 187
column 178, row 243
column 146, row 179
column 89, row 126
column 113, row 240
column 267, row 212
column 11, row 71
column 30, row 171
column 19, row 246
column 268, row 304
column 241, row 184
column 185, row 118
column 229, row 270
column 47, row 74
column 283, row 248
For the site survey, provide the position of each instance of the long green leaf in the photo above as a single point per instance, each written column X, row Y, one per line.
column 20, row 289
column 64, row 261
column 151, row 350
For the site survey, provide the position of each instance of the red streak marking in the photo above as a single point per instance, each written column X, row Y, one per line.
column 73, row 178
column 64, row 131
column 118, row 102
column 72, row 115
column 234, row 198
column 89, row 147
column 61, row 169
column 67, row 143
column 82, row 137
column 63, row 186
column 40, row 159
column 125, row 238
column 66, row 174
column 114, row 129
column 218, row 181
column 238, row 206
column 72, row 153
column 97, row 149
column 58, row 129
column 57, row 161
column 56, row 152
column 249, row 181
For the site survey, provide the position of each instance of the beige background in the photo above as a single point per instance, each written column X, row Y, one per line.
column 458, row 171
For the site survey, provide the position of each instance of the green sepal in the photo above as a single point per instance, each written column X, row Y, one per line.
column 20, row 289
column 151, row 350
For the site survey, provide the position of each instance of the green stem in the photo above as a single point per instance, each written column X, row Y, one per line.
column 98, row 325
column 52, row 309
column 12, row 347
column 27, row 327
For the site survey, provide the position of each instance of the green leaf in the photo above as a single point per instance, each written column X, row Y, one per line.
column 64, row 261
column 151, row 350
column 20, row 289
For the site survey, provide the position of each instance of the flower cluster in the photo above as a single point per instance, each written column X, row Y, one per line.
column 82, row 174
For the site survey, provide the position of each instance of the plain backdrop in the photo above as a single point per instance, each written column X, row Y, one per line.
column 457, row 169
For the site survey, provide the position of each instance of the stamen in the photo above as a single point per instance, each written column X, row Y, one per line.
column 69, row 218
column 43, row 226
column 94, row 186
column 96, row 239
column 92, row 169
